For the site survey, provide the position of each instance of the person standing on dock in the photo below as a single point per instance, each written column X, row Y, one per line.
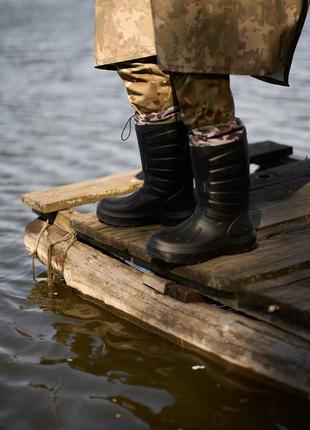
column 175, row 59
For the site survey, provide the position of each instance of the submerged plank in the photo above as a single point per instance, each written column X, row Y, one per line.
column 72, row 195
column 248, row 344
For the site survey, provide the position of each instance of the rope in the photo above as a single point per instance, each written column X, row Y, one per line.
column 34, row 254
column 125, row 126
column 72, row 240
column 72, row 235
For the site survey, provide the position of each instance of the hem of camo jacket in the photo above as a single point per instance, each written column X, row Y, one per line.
column 111, row 64
column 264, row 75
column 221, row 135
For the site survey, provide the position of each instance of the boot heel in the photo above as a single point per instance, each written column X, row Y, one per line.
column 241, row 249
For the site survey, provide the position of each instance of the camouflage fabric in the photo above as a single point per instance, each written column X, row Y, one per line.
column 204, row 104
column 207, row 108
column 228, row 133
column 150, row 92
column 123, row 31
column 242, row 37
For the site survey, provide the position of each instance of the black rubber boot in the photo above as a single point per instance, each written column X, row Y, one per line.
column 221, row 223
column 167, row 195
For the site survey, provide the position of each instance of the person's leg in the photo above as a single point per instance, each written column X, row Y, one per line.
column 167, row 193
column 218, row 146
column 208, row 109
column 150, row 93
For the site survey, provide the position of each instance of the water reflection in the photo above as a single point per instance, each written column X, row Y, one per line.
column 147, row 381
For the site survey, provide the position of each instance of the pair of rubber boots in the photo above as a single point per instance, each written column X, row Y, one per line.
column 213, row 221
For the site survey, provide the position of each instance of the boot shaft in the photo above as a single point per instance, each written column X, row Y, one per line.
column 165, row 157
column 222, row 179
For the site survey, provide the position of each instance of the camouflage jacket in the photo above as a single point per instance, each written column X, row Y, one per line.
column 242, row 37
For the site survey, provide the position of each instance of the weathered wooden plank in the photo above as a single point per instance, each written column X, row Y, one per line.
column 299, row 170
column 248, row 344
column 72, row 195
column 119, row 238
column 276, row 204
column 286, row 298
column 223, row 278
column 184, row 294
column 158, row 284
column 280, row 203
column 268, row 152
column 282, row 249
column 279, row 251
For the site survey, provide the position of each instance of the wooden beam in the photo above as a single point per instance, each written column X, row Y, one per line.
column 72, row 195
column 268, row 153
column 252, row 346
column 281, row 175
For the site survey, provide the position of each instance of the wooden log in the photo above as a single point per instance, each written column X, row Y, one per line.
column 250, row 345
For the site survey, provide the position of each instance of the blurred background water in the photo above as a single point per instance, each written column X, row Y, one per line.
column 66, row 363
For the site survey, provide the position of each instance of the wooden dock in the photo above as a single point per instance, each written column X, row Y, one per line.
column 251, row 310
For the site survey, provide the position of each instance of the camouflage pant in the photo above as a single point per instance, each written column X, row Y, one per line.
column 204, row 103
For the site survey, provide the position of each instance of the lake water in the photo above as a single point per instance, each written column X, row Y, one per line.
column 66, row 363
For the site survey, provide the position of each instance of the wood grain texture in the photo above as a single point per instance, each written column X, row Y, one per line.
column 283, row 248
column 155, row 282
column 286, row 298
column 281, row 203
column 248, row 344
column 282, row 214
column 72, row 195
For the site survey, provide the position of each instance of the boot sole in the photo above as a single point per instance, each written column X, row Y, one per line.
column 184, row 259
